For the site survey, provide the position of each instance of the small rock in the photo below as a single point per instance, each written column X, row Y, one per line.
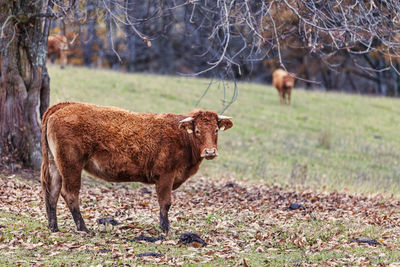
column 120, row 213
column 191, row 238
column 231, row 185
column 103, row 250
column 2, row 226
column 147, row 238
column 368, row 241
column 106, row 221
column 295, row 206
column 149, row 254
column 144, row 190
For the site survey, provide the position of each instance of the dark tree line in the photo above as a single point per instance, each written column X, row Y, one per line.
column 348, row 45
column 332, row 45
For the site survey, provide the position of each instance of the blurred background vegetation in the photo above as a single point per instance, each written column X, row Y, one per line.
column 178, row 41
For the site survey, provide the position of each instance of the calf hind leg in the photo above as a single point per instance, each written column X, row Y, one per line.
column 72, row 200
column 70, row 192
column 51, row 194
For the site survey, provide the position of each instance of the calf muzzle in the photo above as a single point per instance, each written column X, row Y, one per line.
column 209, row 153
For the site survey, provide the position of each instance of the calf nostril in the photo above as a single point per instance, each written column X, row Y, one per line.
column 210, row 151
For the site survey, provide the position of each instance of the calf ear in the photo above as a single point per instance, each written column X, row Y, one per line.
column 186, row 124
column 225, row 124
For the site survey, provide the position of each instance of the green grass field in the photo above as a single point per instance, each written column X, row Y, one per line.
column 326, row 152
column 341, row 141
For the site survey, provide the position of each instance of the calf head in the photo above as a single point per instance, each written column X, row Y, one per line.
column 204, row 127
column 288, row 81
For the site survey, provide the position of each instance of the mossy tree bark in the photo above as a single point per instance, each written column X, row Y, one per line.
column 24, row 81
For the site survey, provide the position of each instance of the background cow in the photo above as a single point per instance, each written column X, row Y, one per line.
column 122, row 146
column 284, row 83
column 57, row 46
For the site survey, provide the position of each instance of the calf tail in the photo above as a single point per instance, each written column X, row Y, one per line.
column 45, row 173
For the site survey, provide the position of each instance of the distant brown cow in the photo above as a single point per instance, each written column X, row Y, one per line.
column 57, row 46
column 122, row 146
column 284, row 83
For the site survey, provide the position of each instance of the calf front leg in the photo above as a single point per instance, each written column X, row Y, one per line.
column 281, row 97
column 164, row 189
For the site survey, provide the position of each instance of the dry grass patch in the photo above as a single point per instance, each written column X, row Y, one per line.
column 240, row 222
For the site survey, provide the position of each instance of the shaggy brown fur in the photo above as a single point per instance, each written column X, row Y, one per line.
column 122, row 146
column 284, row 83
column 57, row 45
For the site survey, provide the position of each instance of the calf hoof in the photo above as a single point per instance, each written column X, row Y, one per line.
column 165, row 227
column 88, row 233
column 53, row 228
column 85, row 230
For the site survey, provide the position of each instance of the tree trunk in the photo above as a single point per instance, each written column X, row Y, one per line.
column 396, row 81
column 24, row 87
column 91, row 34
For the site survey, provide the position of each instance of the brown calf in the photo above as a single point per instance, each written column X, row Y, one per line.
column 122, row 146
column 57, row 45
column 284, row 83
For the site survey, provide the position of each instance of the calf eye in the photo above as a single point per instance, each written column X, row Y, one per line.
column 197, row 131
column 216, row 131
